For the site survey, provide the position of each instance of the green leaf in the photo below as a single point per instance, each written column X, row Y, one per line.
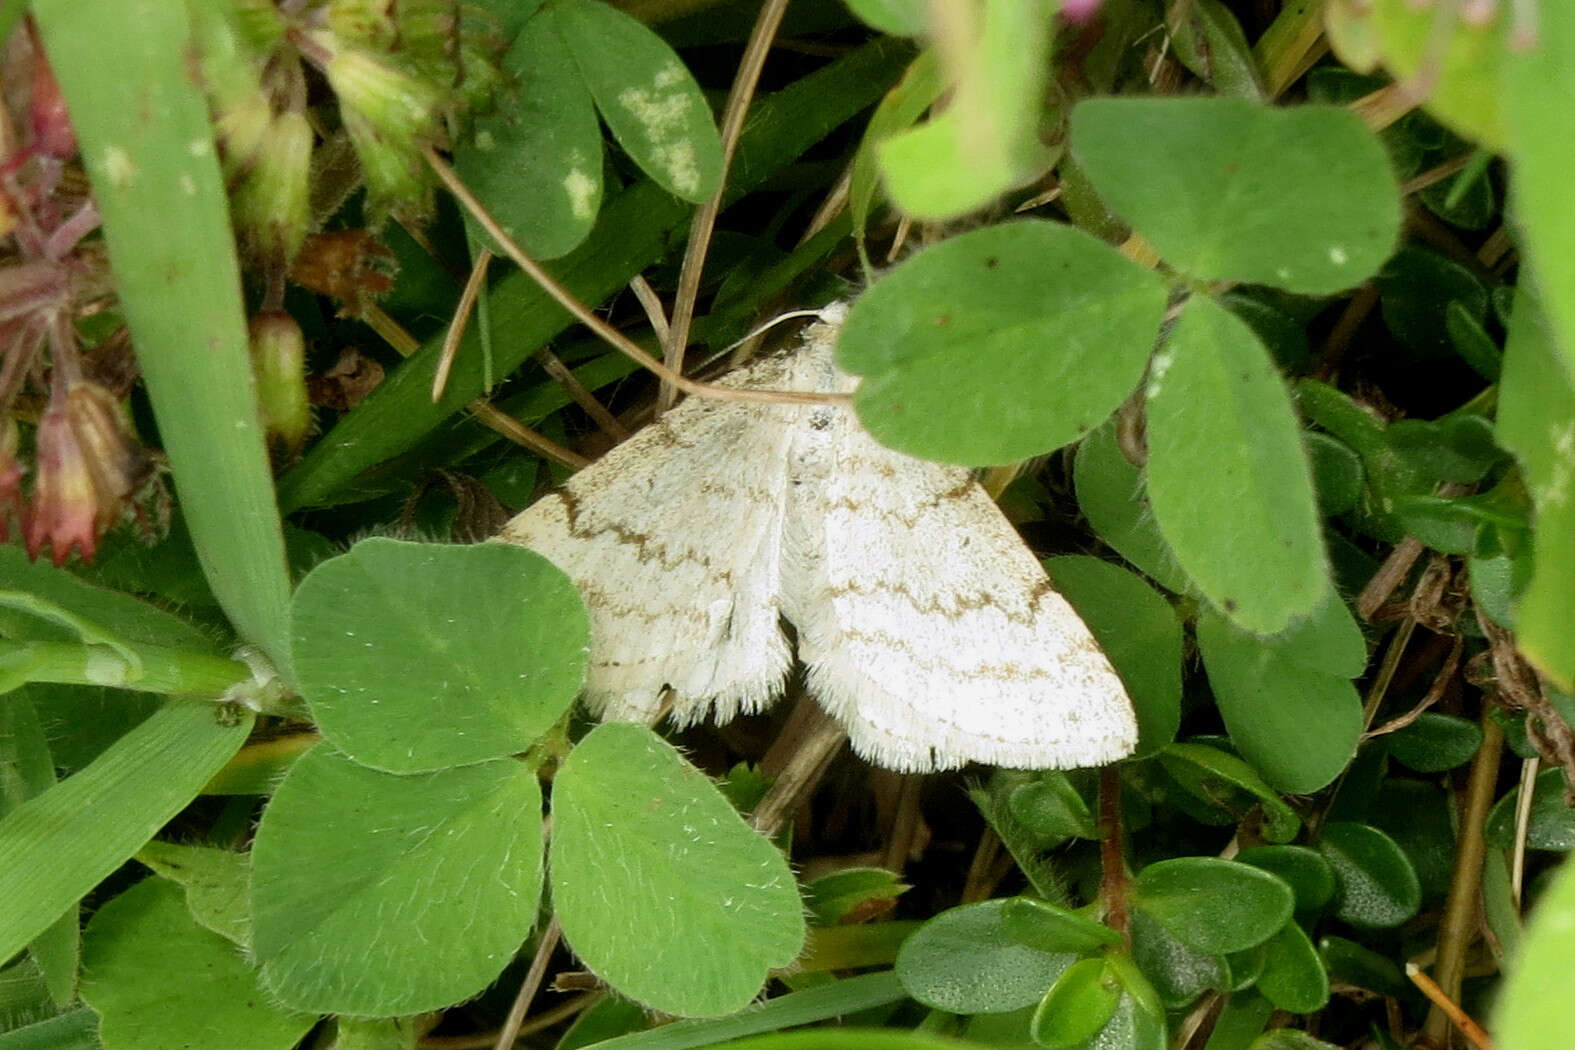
column 1297, row 198
column 848, row 996
column 1179, row 972
column 1552, row 824
column 74, row 1030
column 1304, row 870
column 1215, row 906
column 661, row 888
column 1329, row 640
column 1289, row 1039
column 1539, row 81
column 839, row 1037
column 1420, row 817
column 1500, row 904
column 1221, row 434
column 536, row 161
column 1536, row 409
column 608, row 1019
column 1461, row 58
column 1348, row 961
column 1337, row 472
column 1416, row 289
column 1378, row 885
column 157, row 979
column 28, row 770
column 57, row 846
column 1139, row 632
column 157, row 184
column 376, row 895
column 898, row 17
column 965, row 961
column 1112, row 495
column 1200, row 768
column 1000, row 344
column 1210, row 42
column 987, row 140
column 1534, row 1005
column 420, row 656
column 1139, row 1020
column 1435, row 742
column 847, row 894
column 905, row 103
column 1077, row 1006
column 1050, row 806
column 218, row 885
column 1293, row 976
column 1239, row 1022
column 133, row 620
column 1297, row 726
column 1041, row 925
column 383, row 1033
column 646, row 95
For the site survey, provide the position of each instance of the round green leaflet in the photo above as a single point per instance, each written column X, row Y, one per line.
column 1300, row 198
column 660, row 886
column 420, row 656
column 377, row 895
column 154, row 976
column 1000, row 344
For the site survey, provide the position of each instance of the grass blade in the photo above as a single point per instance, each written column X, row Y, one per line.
column 125, row 70
column 57, row 846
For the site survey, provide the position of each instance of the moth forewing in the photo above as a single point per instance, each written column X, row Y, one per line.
column 925, row 625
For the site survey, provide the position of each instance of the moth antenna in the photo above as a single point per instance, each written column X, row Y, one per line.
column 828, row 313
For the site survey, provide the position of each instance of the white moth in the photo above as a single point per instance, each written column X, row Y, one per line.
column 926, row 627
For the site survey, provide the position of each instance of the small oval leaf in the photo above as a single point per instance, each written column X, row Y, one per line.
column 1216, row 906
column 1297, row 726
column 536, row 161
column 1042, row 925
column 964, row 961
column 1552, row 820
column 1179, row 972
column 1304, row 870
column 1378, row 885
column 1293, row 976
column 1077, row 1006
column 1051, row 807
column 1435, row 742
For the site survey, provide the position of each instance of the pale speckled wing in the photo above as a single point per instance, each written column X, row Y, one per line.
column 927, row 627
column 674, row 539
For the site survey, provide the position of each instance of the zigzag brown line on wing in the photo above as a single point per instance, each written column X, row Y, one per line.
column 672, row 538
column 937, row 636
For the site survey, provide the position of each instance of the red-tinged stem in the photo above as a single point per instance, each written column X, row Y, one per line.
column 1113, row 882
